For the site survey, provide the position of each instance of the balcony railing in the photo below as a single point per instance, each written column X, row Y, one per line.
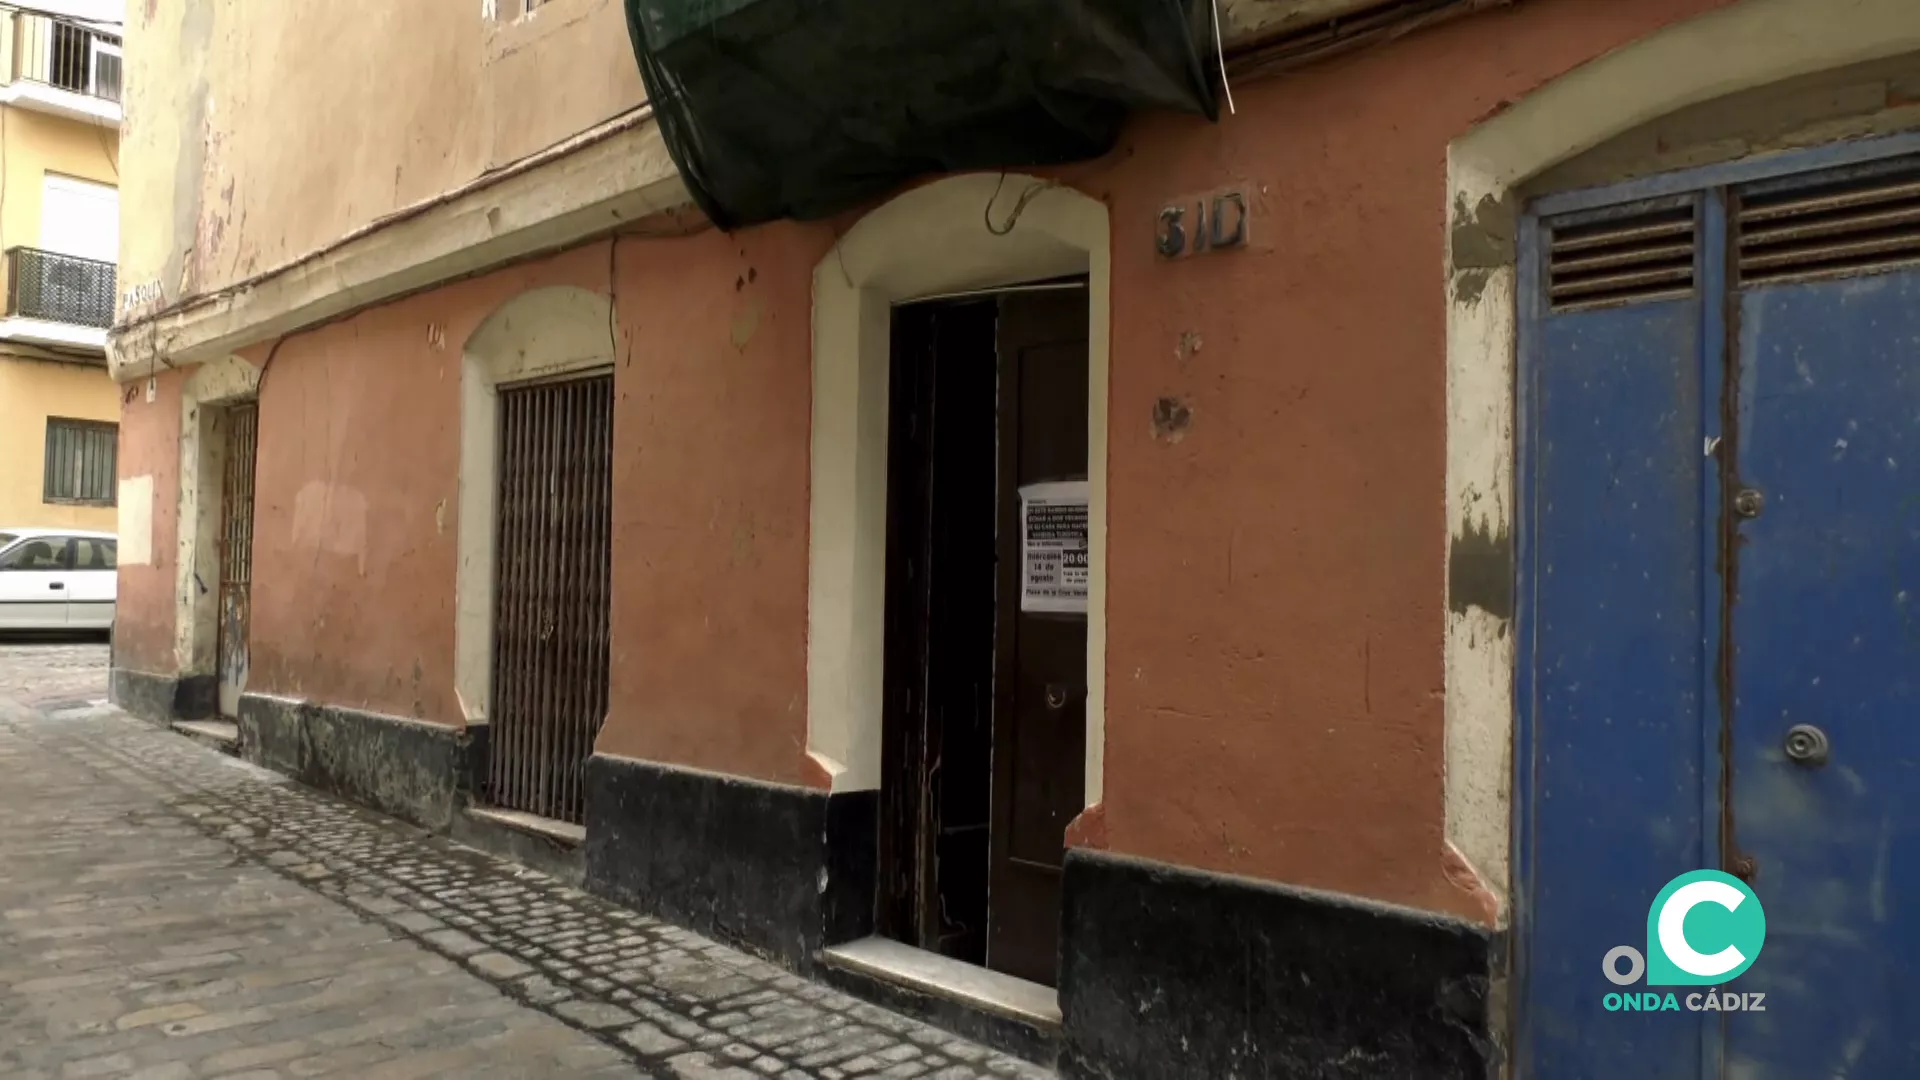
column 66, row 54
column 59, row 288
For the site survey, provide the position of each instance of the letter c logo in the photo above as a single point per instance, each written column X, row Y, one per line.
column 1672, row 959
column 1673, row 934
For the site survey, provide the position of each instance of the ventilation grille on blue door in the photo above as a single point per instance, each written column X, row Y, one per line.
column 1856, row 226
column 1644, row 257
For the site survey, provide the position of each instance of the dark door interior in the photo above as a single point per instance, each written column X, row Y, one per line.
column 940, row 627
column 985, row 731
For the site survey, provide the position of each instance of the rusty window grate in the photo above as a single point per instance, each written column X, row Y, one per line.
column 552, row 592
column 236, row 534
column 1647, row 256
column 1860, row 225
column 236, row 495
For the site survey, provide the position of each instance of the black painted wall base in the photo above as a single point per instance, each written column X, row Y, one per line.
column 1172, row 973
column 412, row 770
column 778, row 870
column 162, row 699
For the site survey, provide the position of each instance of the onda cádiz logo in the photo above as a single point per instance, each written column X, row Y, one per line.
column 1704, row 929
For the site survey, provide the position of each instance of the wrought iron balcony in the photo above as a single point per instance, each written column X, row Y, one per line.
column 59, row 288
column 66, row 54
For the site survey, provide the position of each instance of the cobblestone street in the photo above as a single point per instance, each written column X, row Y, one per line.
column 167, row 912
column 63, row 671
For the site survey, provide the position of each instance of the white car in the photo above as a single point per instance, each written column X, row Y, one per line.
column 57, row 579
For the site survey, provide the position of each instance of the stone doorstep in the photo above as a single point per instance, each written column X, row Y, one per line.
column 955, row 980
column 222, row 735
column 560, row 832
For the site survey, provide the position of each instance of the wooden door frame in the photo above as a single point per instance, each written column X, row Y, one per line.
column 925, row 242
column 1007, row 666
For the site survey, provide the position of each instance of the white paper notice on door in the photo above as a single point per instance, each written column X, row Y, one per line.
column 1053, row 547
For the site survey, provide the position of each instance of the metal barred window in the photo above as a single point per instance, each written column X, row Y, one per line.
column 80, row 462
column 551, row 593
column 67, row 54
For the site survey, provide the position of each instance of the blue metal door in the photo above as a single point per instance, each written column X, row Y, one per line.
column 1720, row 619
column 1614, row 777
column 1826, row 618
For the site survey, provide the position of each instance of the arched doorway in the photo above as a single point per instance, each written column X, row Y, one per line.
column 963, row 354
column 534, row 578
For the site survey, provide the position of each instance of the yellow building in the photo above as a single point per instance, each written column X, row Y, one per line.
column 59, row 235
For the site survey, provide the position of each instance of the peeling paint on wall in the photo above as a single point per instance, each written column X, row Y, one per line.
column 136, row 521
column 1481, row 241
column 1479, row 645
column 1172, row 416
column 745, row 325
column 189, row 165
column 1188, row 348
column 332, row 519
column 1480, row 570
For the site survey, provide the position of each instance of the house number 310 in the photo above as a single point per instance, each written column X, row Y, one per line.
column 1206, row 224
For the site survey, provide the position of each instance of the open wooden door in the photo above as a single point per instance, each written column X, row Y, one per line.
column 1040, row 691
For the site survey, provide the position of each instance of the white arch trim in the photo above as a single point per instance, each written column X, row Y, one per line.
column 197, row 551
column 1745, row 45
column 542, row 333
column 928, row 241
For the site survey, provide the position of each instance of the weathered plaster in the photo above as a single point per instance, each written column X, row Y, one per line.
column 260, row 133
column 576, row 52
column 136, row 520
column 1879, row 97
column 1731, row 49
column 925, row 242
column 618, row 180
column 298, row 230
column 149, row 472
column 710, row 480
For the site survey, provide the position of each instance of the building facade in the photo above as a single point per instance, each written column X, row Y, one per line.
column 1279, row 597
column 59, row 230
